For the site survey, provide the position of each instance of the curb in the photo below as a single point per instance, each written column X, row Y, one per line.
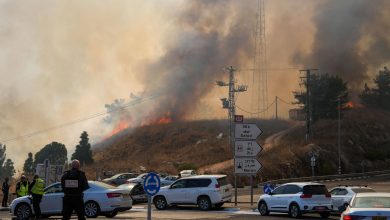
column 2, row 209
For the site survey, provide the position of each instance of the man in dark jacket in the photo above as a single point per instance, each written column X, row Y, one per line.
column 5, row 190
column 74, row 183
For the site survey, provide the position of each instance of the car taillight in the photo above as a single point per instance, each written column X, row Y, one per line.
column 327, row 195
column 352, row 217
column 217, row 186
column 113, row 195
column 306, row 196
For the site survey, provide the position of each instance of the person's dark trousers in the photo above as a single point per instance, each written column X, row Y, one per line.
column 71, row 203
column 36, row 204
column 4, row 203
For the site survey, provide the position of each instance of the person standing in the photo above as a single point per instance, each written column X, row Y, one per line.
column 36, row 189
column 22, row 187
column 5, row 189
column 74, row 182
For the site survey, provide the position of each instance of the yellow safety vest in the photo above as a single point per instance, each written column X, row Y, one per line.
column 38, row 187
column 23, row 190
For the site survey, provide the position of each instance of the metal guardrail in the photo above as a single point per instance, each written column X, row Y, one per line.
column 328, row 177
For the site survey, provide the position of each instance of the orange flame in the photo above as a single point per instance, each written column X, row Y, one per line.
column 122, row 125
column 165, row 119
column 350, row 104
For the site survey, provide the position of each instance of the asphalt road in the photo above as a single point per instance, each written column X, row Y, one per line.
column 244, row 210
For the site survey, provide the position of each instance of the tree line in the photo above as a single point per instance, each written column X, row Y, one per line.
column 55, row 152
column 327, row 92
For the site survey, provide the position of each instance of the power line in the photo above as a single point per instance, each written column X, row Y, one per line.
column 253, row 113
column 136, row 102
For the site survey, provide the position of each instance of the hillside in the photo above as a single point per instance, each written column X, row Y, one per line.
column 169, row 147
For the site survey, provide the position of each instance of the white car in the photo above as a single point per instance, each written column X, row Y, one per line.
column 342, row 195
column 297, row 199
column 206, row 191
column 364, row 206
column 187, row 173
column 99, row 199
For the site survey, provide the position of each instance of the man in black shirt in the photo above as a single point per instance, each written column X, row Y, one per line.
column 5, row 190
column 74, row 183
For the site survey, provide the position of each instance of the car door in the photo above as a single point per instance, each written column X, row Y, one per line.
column 196, row 187
column 177, row 192
column 52, row 199
column 274, row 200
column 289, row 194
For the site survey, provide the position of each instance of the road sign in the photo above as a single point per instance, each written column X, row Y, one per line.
column 247, row 165
column 247, row 131
column 152, row 184
column 247, row 148
column 268, row 187
column 238, row 118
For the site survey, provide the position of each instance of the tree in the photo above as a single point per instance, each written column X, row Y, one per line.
column 2, row 159
column 83, row 150
column 55, row 152
column 8, row 168
column 28, row 166
column 379, row 96
column 326, row 90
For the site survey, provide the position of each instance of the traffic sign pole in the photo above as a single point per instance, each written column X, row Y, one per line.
column 149, row 207
column 151, row 186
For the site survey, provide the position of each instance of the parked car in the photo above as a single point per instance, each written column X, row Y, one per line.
column 206, row 191
column 297, row 199
column 139, row 179
column 342, row 195
column 136, row 191
column 120, row 178
column 99, row 199
column 374, row 206
column 170, row 178
column 186, row 173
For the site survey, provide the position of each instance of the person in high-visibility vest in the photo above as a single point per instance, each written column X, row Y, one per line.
column 22, row 187
column 36, row 189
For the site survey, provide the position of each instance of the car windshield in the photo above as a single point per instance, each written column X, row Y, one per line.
column 371, row 202
column 315, row 189
column 361, row 190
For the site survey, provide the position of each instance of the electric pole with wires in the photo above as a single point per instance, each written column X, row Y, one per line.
column 308, row 108
column 230, row 104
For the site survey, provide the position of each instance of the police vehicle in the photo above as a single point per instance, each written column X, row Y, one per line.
column 99, row 199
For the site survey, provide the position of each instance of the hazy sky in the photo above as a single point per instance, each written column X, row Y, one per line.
column 61, row 61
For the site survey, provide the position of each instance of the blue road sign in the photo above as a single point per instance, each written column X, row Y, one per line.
column 268, row 187
column 152, row 184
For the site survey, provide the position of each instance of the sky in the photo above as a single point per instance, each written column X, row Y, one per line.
column 64, row 61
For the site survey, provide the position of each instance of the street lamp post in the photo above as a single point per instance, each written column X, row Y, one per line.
column 339, row 134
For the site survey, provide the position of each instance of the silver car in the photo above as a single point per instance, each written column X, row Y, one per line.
column 342, row 195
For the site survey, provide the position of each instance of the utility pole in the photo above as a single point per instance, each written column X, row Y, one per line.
column 230, row 104
column 307, row 82
column 276, row 107
column 339, row 134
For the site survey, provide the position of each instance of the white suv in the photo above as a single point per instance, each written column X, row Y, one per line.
column 206, row 191
column 297, row 199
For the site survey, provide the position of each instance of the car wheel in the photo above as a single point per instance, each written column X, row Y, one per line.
column 111, row 214
column 324, row 214
column 294, row 211
column 91, row 209
column 263, row 209
column 23, row 211
column 160, row 203
column 219, row 205
column 204, row 203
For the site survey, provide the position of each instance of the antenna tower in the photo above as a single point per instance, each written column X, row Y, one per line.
column 259, row 89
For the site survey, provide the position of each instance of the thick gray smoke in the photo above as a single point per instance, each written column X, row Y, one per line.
column 351, row 39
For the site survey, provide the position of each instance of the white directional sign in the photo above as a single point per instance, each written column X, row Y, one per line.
column 247, row 131
column 247, row 148
column 247, row 165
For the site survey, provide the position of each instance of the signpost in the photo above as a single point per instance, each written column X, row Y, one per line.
column 238, row 118
column 245, row 151
column 151, row 186
column 268, row 187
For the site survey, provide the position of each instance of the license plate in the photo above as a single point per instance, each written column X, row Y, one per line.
column 379, row 218
column 320, row 208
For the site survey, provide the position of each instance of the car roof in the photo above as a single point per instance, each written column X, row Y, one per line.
column 204, row 176
column 353, row 187
column 373, row 194
column 302, row 183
